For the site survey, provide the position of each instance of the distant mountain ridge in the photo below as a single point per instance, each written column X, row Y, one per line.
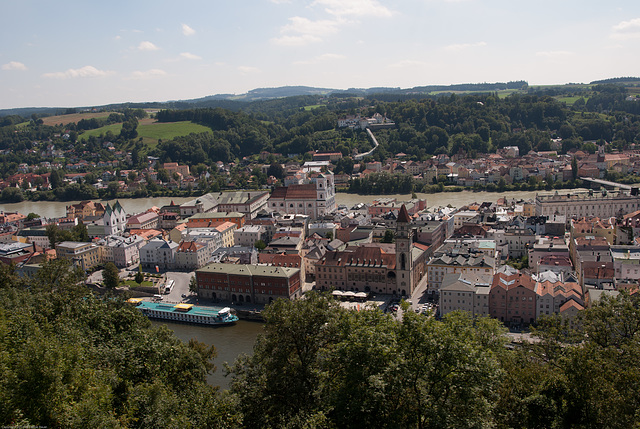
column 237, row 101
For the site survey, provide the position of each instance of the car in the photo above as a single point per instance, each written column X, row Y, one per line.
column 184, row 295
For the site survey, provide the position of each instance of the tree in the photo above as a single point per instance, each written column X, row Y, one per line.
column 111, row 276
column 32, row 216
column 574, row 168
column 139, row 275
column 388, row 236
column 260, row 245
column 193, row 285
column 276, row 171
column 329, row 235
column 12, row 195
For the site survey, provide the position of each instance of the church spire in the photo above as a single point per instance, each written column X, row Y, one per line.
column 403, row 216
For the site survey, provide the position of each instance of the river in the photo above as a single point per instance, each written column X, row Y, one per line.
column 230, row 342
column 55, row 209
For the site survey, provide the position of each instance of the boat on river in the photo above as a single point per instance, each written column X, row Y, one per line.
column 186, row 313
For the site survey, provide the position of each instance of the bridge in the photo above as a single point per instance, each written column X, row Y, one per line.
column 606, row 183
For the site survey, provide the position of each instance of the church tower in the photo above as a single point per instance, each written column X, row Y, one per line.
column 404, row 259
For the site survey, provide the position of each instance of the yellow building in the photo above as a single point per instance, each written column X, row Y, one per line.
column 83, row 255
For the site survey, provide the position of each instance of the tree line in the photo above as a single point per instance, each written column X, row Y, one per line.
column 74, row 359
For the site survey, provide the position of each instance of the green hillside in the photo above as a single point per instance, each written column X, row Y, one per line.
column 151, row 132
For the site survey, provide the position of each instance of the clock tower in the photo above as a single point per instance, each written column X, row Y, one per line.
column 404, row 259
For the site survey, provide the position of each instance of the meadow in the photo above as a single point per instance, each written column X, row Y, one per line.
column 152, row 131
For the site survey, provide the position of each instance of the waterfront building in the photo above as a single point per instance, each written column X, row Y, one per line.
column 588, row 203
column 203, row 204
column 315, row 198
column 85, row 209
column 148, row 220
column 248, row 283
column 247, row 203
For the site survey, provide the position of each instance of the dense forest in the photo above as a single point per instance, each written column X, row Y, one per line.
column 73, row 359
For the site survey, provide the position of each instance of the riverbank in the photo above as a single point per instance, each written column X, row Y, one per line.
column 56, row 209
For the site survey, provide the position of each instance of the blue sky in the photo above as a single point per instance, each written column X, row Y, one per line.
column 83, row 53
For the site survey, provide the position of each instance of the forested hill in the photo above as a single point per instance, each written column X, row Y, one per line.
column 451, row 124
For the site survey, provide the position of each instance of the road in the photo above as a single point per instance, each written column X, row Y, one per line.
column 180, row 287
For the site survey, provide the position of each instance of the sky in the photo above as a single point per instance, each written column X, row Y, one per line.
column 74, row 53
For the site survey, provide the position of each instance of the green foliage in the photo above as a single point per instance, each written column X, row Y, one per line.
column 260, row 245
column 12, row 195
column 139, row 278
column 110, row 276
column 388, row 236
column 70, row 359
column 359, row 369
column 193, row 285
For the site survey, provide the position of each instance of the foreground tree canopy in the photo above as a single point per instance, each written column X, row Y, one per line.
column 71, row 359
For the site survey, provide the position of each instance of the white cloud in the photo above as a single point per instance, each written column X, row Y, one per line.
column 14, row 65
column 118, row 37
column 281, row 1
column 302, row 31
column 86, row 71
column 320, row 59
column 554, row 54
column 461, row 46
column 148, row 74
column 354, row 8
column 248, row 70
column 190, row 56
column 298, row 24
column 301, row 40
column 147, row 46
column 626, row 29
column 407, row 63
column 188, row 31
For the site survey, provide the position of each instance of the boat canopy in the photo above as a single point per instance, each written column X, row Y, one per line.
column 224, row 310
column 183, row 307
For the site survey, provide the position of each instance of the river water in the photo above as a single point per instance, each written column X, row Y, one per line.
column 230, row 342
column 137, row 205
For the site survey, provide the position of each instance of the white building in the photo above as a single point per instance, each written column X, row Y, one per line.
column 587, row 203
column 114, row 219
column 248, row 235
column 314, row 199
column 158, row 253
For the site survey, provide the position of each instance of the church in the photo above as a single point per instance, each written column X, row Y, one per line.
column 114, row 219
column 385, row 268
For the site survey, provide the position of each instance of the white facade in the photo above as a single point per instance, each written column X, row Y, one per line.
column 587, row 203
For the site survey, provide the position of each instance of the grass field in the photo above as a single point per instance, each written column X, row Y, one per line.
column 313, row 106
column 151, row 131
column 570, row 100
column 75, row 118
